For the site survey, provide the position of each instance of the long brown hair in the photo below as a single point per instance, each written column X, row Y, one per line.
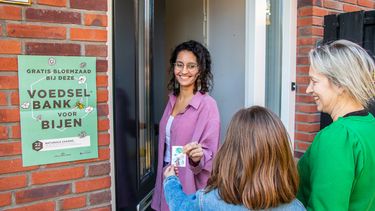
column 255, row 166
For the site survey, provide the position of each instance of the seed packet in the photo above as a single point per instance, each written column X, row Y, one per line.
column 178, row 156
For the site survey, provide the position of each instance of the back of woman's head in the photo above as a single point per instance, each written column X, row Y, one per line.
column 347, row 65
column 255, row 166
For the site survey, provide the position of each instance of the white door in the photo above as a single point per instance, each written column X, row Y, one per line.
column 253, row 51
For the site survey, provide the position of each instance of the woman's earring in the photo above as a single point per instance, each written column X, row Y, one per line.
column 176, row 84
column 199, row 84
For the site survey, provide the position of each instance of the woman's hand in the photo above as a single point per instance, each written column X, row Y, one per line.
column 170, row 171
column 194, row 151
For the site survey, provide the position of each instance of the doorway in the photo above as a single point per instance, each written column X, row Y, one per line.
column 144, row 35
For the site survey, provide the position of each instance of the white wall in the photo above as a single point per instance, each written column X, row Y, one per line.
column 226, row 42
column 183, row 21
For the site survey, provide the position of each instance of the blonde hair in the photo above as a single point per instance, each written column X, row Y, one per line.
column 347, row 65
column 255, row 167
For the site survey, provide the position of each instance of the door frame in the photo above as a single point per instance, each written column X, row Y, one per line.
column 255, row 58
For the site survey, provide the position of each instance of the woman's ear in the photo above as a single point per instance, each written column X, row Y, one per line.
column 342, row 91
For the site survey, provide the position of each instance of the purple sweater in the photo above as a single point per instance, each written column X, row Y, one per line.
column 199, row 122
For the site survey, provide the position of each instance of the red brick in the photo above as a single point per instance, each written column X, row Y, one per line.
column 103, row 139
column 43, row 206
column 101, row 65
column 302, row 145
column 303, row 50
column 315, row 127
column 10, row 47
column 102, row 95
column 3, row 98
column 95, row 20
column 312, row 11
column 16, row 132
column 307, row 108
column 100, row 5
column 3, row 132
column 304, row 136
column 311, row 31
column 5, row 199
column 53, row 16
column 317, row 11
column 305, row 11
column 36, row 31
column 50, row 176
column 13, row 182
column 307, row 40
column 93, row 184
column 53, row 165
column 304, row 3
column 304, row 99
column 304, row 21
column 297, row 154
column 307, row 117
column 366, row 3
column 101, row 81
column 335, row 5
column 302, row 79
column 73, row 203
column 100, row 198
column 10, row 148
column 303, row 60
column 350, row 1
column 57, row 3
column 351, row 8
column 10, row 13
column 8, row 82
column 310, row 21
column 103, row 109
column 58, row 49
column 11, row 166
column 42, row 193
column 96, row 50
column 9, row 115
column 104, row 154
column 303, row 70
column 301, row 88
column 8, row 64
column 88, row 34
column 14, row 98
column 99, row 169
column 103, row 124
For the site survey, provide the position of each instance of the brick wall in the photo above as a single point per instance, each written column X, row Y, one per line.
column 63, row 28
column 309, row 30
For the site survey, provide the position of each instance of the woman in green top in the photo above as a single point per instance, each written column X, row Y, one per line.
column 338, row 170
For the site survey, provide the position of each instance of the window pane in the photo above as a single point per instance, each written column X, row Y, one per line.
column 273, row 55
column 144, row 103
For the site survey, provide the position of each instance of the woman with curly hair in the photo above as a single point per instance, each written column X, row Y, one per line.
column 191, row 120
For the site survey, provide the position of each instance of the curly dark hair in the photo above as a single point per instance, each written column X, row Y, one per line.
column 205, row 77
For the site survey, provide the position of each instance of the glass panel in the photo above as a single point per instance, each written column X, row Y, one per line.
column 273, row 55
column 144, row 104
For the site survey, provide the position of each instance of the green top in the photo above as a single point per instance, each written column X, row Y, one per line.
column 337, row 172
